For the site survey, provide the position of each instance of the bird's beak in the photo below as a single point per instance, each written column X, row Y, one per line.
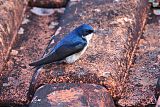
column 94, row 31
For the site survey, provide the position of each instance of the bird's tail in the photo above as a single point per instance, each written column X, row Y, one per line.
column 43, row 61
column 36, row 63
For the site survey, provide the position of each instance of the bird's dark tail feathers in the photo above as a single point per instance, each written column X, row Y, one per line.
column 43, row 61
column 35, row 64
column 32, row 64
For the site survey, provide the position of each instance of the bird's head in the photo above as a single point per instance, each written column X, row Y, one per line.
column 85, row 30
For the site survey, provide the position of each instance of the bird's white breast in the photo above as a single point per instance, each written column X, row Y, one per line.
column 76, row 56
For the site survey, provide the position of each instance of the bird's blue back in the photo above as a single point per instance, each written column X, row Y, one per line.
column 69, row 39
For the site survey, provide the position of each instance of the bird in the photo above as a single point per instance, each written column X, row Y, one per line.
column 70, row 48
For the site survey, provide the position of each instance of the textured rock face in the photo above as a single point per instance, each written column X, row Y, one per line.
column 11, row 13
column 109, row 55
column 72, row 95
column 106, row 61
column 32, row 39
column 146, row 69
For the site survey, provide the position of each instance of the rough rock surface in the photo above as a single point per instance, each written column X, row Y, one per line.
column 32, row 39
column 72, row 95
column 106, row 61
column 11, row 13
column 146, row 69
column 109, row 55
column 118, row 24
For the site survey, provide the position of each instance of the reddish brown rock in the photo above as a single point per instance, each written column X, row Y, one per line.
column 109, row 56
column 11, row 13
column 29, row 45
column 72, row 95
column 48, row 3
column 118, row 24
column 146, row 69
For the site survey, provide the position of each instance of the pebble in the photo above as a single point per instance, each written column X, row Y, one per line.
column 53, row 25
column 21, row 31
column 45, row 11
column 5, row 84
column 156, row 11
column 14, row 52
column 25, row 21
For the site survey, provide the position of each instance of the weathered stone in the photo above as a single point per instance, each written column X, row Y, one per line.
column 14, row 52
column 116, row 22
column 45, row 11
column 29, row 45
column 146, row 69
column 118, row 26
column 72, row 95
column 11, row 13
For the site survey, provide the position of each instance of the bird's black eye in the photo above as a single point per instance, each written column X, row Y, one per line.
column 90, row 31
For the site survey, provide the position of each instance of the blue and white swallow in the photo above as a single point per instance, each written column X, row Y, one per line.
column 70, row 48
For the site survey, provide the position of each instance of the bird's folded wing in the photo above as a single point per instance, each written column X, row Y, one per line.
column 60, row 53
column 68, row 49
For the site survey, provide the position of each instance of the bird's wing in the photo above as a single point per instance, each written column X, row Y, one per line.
column 60, row 53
